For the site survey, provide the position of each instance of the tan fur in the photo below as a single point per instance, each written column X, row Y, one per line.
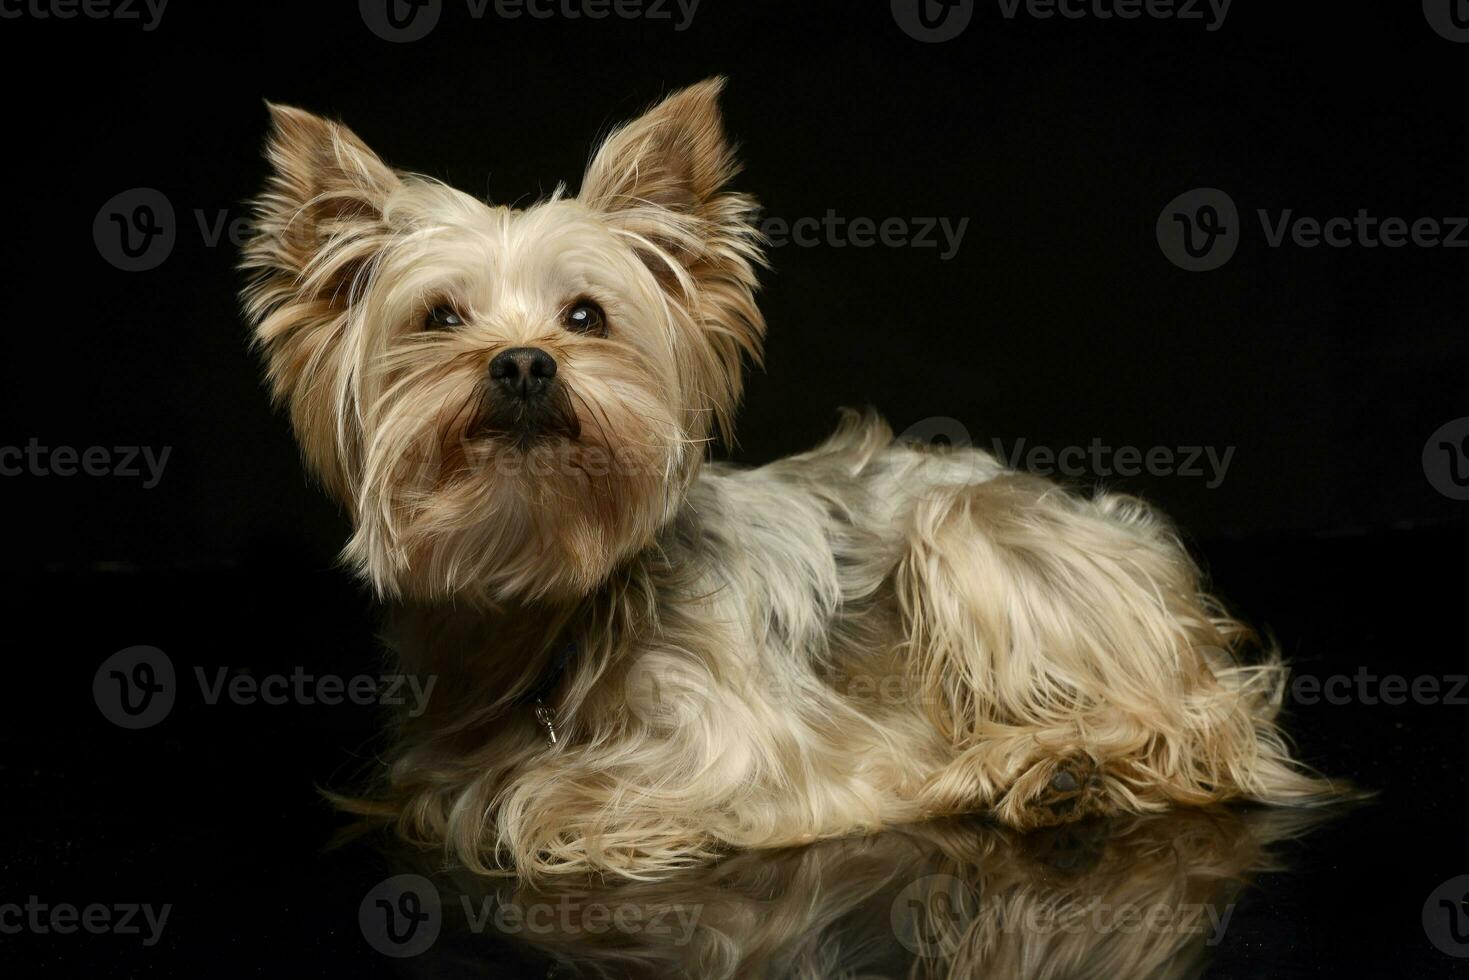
column 1136, row 897
column 863, row 635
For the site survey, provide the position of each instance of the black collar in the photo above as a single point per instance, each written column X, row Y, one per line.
column 551, row 677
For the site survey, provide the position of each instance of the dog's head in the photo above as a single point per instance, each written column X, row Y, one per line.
column 509, row 401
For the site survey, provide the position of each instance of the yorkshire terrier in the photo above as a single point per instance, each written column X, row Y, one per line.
column 648, row 658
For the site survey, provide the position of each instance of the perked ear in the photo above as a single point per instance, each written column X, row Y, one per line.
column 326, row 182
column 317, row 224
column 662, row 182
column 674, row 156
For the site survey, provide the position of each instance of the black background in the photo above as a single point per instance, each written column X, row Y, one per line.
column 1058, row 322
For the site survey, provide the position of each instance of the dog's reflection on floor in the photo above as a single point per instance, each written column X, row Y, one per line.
column 1129, row 897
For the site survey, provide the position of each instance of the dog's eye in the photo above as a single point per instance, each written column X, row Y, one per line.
column 442, row 318
column 585, row 316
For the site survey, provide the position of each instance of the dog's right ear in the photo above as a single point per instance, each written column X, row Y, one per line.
column 316, row 226
column 326, row 182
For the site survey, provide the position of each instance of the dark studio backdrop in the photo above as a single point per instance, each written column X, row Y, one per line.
column 1287, row 404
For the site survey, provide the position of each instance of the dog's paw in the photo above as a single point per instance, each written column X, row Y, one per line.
column 1055, row 791
column 1067, row 790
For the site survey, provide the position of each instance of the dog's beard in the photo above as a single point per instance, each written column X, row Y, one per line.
column 466, row 493
column 525, row 424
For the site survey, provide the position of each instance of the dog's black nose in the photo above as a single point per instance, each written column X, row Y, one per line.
column 523, row 371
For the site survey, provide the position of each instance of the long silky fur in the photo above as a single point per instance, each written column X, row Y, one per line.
column 863, row 635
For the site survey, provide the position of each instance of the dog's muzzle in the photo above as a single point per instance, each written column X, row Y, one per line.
column 527, row 402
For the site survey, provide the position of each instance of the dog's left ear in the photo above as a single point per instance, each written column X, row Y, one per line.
column 661, row 181
column 674, row 156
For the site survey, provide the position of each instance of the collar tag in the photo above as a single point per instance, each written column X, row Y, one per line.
column 546, row 715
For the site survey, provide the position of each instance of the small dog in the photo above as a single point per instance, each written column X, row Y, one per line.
column 646, row 658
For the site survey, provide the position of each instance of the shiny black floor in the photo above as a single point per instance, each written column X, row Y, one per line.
column 214, row 814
